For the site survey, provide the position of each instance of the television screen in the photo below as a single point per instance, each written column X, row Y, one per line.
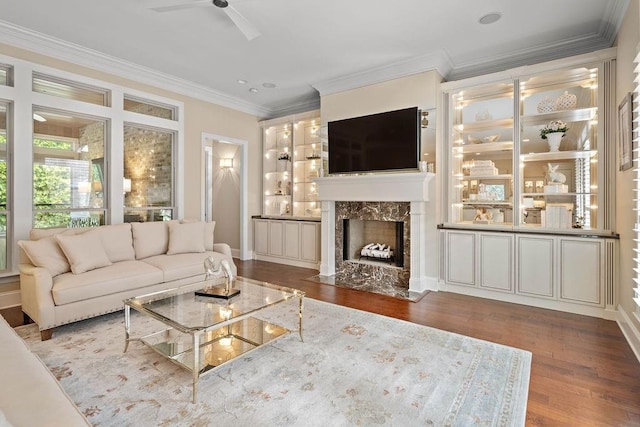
column 378, row 142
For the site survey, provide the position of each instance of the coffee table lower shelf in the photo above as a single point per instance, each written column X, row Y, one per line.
column 216, row 347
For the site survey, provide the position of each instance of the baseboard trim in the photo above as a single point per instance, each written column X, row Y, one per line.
column 288, row 261
column 10, row 299
column 629, row 331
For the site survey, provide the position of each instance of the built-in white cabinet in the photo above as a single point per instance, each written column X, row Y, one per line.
column 495, row 255
column 293, row 242
column 294, row 153
column 536, row 259
column 568, row 273
column 532, row 148
column 461, row 258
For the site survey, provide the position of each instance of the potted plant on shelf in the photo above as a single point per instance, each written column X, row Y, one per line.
column 553, row 133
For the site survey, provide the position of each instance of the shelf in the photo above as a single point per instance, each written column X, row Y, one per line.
column 556, row 194
column 483, row 125
column 577, row 115
column 486, row 203
column 309, row 144
column 485, row 177
column 486, row 147
column 558, row 155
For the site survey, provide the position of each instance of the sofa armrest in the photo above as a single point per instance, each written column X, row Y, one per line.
column 37, row 299
column 223, row 248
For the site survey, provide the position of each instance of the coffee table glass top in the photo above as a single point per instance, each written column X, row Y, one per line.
column 187, row 312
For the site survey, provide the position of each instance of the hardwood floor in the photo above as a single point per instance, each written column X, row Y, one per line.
column 583, row 371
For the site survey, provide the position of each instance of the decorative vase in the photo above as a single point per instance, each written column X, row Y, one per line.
column 547, row 105
column 554, row 139
column 566, row 101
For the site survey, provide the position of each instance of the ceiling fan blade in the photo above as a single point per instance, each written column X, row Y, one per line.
column 246, row 27
column 197, row 3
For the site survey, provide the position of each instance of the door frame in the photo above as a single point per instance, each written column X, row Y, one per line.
column 243, row 173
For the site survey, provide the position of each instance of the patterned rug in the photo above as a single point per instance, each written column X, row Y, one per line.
column 353, row 368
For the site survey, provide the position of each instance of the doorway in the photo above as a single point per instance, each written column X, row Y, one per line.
column 224, row 197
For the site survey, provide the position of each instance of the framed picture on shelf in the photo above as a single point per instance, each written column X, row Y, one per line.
column 625, row 132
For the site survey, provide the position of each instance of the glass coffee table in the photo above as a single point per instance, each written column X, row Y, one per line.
column 219, row 329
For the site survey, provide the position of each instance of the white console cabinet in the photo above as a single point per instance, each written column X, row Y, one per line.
column 293, row 242
column 560, row 272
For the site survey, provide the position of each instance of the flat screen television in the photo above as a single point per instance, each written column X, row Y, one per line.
column 387, row 141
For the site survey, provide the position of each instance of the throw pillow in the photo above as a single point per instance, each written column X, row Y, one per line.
column 186, row 237
column 209, row 228
column 117, row 242
column 150, row 238
column 84, row 251
column 46, row 253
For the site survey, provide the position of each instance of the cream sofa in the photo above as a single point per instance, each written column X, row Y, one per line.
column 68, row 275
column 30, row 395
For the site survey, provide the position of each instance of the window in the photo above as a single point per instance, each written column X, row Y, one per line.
column 68, row 170
column 70, row 90
column 148, row 174
column 636, row 156
column 6, row 75
column 4, row 208
column 137, row 105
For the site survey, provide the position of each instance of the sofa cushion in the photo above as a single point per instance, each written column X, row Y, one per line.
column 182, row 265
column 84, row 251
column 186, row 237
column 118, row 277
column 117, row 242
column 46, row 253
column 150, row 238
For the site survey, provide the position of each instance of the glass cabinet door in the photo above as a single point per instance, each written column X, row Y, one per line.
column 276, row 166
column 559, row 149
column 309, row 155
column 481, row 189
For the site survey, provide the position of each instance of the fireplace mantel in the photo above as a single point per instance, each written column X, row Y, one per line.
column 383, row 187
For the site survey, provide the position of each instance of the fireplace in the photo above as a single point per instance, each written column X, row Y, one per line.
column 361, row 223
column 389, row 197
column 371, row 241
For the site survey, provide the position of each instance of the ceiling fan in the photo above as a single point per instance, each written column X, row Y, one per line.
column 246, row 27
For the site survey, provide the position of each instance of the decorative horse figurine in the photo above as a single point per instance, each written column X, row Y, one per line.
column 554, row 176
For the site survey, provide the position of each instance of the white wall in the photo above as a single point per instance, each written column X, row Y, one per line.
column 421, row 90
column 627, row 42
column 226, row 194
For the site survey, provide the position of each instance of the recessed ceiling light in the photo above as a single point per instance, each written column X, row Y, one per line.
column 490, row 18
column 242, row 81
column 253, row 90
column 269, row 85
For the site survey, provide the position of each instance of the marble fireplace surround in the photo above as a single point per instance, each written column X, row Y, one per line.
column 387, row 194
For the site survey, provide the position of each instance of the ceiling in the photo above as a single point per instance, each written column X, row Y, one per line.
column 306, row 47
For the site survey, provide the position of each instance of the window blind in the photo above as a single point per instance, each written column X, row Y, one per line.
column 636, row 161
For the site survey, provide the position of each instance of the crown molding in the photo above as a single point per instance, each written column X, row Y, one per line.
column 613, row 20
column 533, row 55
column 34, row 41
column 438, row 61
column 302, row 105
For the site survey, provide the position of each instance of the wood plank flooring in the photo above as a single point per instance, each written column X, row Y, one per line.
column 583, row 371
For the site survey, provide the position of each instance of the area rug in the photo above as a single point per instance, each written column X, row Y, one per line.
column 353, row 368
